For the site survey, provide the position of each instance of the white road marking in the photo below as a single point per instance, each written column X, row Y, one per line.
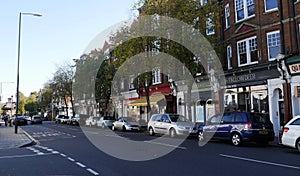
column 164, row 144
column 71, row 159
column 63, row 155
column 80, row 164
column 23, row 156
column 259, row 161
column 92, row 171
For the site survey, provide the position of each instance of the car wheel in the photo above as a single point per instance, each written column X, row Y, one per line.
column 201, row 136
column 172, row 132
column 236, row 139
column 90, row 125
column 151, row 131
column 123, row 128
column 298, row 145
column 102, row 126
column 113, row 128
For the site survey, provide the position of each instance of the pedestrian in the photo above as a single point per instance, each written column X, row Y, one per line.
column 5, row 120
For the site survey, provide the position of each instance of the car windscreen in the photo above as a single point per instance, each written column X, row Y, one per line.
column 108, row 118
column 259, row 118
column 178, row 118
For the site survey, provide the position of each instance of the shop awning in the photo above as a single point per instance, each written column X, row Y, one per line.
column 143, row 101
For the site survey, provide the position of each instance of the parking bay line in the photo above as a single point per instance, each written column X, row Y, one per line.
column 259, row 161
column 168, row 145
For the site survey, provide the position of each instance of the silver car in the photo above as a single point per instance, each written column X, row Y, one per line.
column 171, row 124
column 126, row 124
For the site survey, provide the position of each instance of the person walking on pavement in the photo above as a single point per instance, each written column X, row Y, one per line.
column 5, row 120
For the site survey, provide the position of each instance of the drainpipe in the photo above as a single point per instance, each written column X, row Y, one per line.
column 281, row 27
column 286, row 77
column 295, row 29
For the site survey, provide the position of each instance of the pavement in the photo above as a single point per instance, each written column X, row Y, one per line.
column 8, row 138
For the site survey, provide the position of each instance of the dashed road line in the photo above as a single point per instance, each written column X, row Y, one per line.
column 80, row 164
column 71, row 159
column 92, row 171
column 52, row 151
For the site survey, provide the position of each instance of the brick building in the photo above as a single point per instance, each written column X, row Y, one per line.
column 261, row 39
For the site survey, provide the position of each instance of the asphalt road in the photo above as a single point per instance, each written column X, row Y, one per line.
column 72, row 150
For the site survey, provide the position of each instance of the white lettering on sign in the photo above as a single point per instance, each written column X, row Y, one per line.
column 241, row 78
column 295, row 68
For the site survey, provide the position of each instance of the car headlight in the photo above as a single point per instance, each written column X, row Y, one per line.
column 181, row 127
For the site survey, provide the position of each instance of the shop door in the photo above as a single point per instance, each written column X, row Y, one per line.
column 281, row 112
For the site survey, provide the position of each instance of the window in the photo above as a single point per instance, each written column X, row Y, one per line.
column 131, row 84
column 273, row 39
column 247, row 51
column 203, row 2
column 271, row 5
column 210, row 27
column 229, row 57
column 296, row 122
column 244, row 9
column 156, row 79
column 227, row 16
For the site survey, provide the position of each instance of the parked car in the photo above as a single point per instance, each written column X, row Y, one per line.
column 238, row 127
column 36, row 119
column 171, row 124
column 66, row 119
column 58, row 118
column 91, row 121
column 126, row 124
column 291, row 133
column 21, row 120
column 105, row 121
column 79, row 119
column 28, row 118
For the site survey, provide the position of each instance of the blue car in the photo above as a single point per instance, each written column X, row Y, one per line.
column 238, row 127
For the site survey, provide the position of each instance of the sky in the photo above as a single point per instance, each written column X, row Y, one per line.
column 59, row 36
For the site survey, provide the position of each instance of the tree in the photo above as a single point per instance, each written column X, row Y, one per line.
column 31, row 103
column 62, row 83
column 22, row 102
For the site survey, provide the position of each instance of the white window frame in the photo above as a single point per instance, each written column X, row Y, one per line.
column 203, row 2
column 156, row 77
column 269, row 10
column 229, row 57
column 227, row 16
column 268, row 34
column 210, row 27
column 131, row 84
column 244, row 8
column 248, row 51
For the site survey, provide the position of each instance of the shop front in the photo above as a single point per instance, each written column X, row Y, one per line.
column 248, row 89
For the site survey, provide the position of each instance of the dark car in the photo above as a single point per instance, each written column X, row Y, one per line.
column 238, row 127
column 36, row 119
column 21, row 120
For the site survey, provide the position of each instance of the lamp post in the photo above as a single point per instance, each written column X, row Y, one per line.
column 19, row 48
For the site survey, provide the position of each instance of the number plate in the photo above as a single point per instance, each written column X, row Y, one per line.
column 263, row 132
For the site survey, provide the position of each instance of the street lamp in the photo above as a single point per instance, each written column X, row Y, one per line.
column 19, row 47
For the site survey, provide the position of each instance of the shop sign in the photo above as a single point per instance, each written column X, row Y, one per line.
column 241, row 78
column 294, row 68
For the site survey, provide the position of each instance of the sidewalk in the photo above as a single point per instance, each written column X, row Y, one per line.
column 8, row 138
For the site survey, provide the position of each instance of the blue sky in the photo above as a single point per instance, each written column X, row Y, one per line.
column 60, row 35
